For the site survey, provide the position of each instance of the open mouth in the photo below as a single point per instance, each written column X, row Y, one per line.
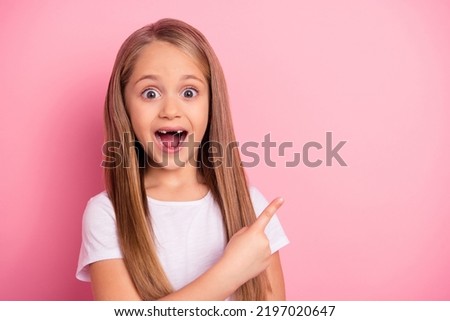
column 171, row 139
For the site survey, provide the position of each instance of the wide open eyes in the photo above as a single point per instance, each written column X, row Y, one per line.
column 151, row 93
column 189, row 92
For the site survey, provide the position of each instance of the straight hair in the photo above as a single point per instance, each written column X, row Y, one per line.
column 125, row 184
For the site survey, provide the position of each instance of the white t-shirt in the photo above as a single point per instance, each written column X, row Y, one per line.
column 190, row 235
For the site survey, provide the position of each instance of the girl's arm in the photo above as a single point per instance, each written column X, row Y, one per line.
column 247, row 254
column 111, row 281
column 276, row 278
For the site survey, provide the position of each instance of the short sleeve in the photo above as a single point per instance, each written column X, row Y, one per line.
column 99, row 235
column 274, row 230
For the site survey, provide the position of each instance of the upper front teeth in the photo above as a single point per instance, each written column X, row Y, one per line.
column 165, row 132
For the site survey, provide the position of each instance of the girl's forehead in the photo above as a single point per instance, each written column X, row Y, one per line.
column 163, row 57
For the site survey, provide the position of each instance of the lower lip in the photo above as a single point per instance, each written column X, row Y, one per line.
column 165, row 149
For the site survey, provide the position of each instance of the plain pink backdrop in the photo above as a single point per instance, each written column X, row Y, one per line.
column 375, row 73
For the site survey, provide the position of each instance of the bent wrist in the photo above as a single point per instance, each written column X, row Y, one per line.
column 228, row 275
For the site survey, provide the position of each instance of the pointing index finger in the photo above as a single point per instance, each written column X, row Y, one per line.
column 268, row 213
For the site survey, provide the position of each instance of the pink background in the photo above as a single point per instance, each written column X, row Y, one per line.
column 375, row 73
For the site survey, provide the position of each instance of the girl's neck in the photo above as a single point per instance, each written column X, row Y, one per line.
column 181, row 184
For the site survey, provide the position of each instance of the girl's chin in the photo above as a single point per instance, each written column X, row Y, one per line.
column 169, row 166
column 172, row 161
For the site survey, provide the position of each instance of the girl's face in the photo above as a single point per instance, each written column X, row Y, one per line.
column 167, row 97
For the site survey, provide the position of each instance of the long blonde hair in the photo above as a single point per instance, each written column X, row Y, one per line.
column 125, row 184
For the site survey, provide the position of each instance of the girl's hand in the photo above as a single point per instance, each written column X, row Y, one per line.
column 248, row 251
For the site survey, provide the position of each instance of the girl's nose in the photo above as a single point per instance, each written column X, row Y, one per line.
column 169, row 109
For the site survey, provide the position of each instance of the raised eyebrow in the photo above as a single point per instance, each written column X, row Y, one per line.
column 151, row 77
column 184, row 77
column 187, row 77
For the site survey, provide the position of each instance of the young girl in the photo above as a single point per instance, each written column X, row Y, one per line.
column 177, row 220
